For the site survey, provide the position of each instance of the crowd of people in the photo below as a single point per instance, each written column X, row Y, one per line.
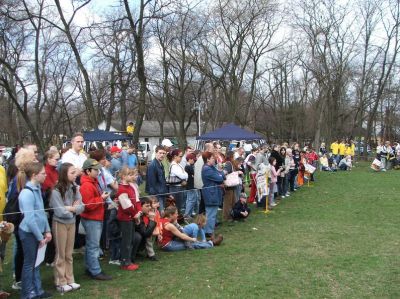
column 92, row 202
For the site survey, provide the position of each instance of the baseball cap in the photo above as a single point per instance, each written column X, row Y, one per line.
column 166, row 142
column 91, row 163
column 115, row 149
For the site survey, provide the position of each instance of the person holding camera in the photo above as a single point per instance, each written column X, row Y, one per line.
column 92, row 217
column 129, row 211
column 6, row 230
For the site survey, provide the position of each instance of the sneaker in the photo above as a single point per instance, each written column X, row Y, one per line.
column 283, row 196
column 114, row 262
column 75, row 286
column 16, row 285
column 101, row 276
column 131, row 267
column 217, row 240
column 153, row 258
column 273, row 204
column 287, row 195
column 64, row 289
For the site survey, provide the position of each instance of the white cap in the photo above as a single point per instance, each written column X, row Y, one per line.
column 166, row 142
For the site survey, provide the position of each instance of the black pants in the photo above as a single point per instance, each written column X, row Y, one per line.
column 79, row 238
column 130, row 242
column 292, row 176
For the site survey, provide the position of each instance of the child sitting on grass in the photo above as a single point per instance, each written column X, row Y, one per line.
column 240, row 210
column 173, row 239
column 195, row 229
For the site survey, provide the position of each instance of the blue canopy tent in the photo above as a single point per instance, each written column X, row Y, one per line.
column 100, row 135
column 230, row 132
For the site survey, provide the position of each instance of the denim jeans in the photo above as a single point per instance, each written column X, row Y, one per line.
column 211, row 213
column 271, row 199
column 193, row 230
column 93, row 231
column 31, row 282
column 175, row 245
column 192, row 199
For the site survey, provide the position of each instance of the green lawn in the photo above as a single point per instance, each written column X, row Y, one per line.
column 337, row 239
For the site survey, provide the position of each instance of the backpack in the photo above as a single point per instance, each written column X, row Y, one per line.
column 12, row 209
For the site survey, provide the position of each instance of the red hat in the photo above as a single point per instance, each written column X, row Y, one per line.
column 115, row 149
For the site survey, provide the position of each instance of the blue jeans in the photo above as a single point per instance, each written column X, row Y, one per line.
column 31, row 282
column 193, row 230
column 192, row 199
column 211, row 213
column 93, row 231
column 175, row 245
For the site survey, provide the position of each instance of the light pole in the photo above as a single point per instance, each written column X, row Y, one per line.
column 199, row 107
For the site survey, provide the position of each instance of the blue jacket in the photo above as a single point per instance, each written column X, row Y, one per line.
column 132, row 161
column 211, row 191
column 31, row 205
column 116, row 166
column 155, row 178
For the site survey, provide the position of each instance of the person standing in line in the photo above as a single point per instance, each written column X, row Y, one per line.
column 34, row 230
column 66, row 202
column 92, row 217
column 155, row 177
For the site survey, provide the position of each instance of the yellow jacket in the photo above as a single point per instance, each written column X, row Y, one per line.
column 335, row 148
column 348, row 151
column 130, row 129
column 3, row 190
column 342, row 149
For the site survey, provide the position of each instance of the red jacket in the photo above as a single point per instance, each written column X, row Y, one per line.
column 129, row 213
column 51, row 177
column 91, row 197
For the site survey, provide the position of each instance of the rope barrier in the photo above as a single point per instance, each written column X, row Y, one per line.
column 98, row 203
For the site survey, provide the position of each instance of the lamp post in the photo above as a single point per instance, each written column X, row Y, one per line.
column 199, row 107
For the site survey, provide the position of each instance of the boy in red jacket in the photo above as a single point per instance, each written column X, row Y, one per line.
column 92, row 217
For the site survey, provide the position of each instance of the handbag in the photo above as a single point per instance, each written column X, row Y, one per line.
column 232, row 179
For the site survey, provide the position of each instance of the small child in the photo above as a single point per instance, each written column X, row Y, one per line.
column 240, row 210
column 114, row 235
column 195, row 229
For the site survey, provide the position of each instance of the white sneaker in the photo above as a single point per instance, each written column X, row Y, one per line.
column 16, row 285
column 64, row 289
column 287, row 195
column 75, row 286
column 114, row 262
column 283, row 196
column 273, row 204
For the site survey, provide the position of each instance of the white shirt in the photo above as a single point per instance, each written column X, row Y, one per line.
column 247, row 147
column 178, row 171
column 74, row 158
column 198, row 166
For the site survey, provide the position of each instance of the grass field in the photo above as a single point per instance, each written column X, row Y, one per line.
column 337, row 239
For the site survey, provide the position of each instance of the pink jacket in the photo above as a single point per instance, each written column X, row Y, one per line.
column 274, row 174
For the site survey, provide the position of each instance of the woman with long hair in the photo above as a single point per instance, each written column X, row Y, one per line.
column 66, row 202
column 177, row 179
column 34, row 230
